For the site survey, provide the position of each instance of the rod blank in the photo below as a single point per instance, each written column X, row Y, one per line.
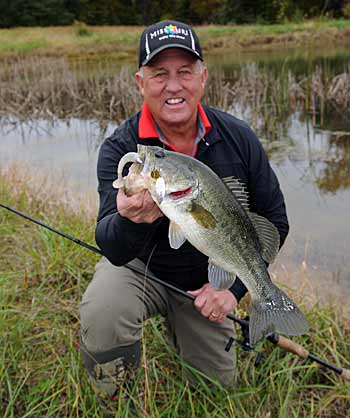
column 284, row 343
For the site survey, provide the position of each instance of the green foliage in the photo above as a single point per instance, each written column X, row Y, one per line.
column 346, row 10
column 42, row 278
column 144, row 12
column 25, row 47
column 81, row 29
column 34, row 13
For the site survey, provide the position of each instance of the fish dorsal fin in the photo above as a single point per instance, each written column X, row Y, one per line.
column 238, row 189
column 176, row 236
column 219, row 278
column 269, row 236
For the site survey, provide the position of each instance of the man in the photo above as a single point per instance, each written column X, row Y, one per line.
column 172, row 79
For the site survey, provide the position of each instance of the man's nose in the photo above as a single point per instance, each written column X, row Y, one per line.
column 173, row 83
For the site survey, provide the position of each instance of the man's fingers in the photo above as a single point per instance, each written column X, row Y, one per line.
column 198, row 291
column 195, row 292
column 206, row 310
column 139, row 208
column 199, row 302
column 213, row 304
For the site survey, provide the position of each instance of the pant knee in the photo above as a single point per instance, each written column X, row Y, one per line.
column 106, row 324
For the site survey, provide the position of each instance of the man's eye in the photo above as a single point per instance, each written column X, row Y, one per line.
column 186, row 74
column 160, row 76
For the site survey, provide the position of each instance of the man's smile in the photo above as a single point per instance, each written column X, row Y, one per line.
column 175, row 101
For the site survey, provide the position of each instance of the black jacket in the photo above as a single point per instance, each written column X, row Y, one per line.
column 230, row 149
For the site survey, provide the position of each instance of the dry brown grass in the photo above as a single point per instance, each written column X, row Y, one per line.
column 42, row 278
column 47, row 87
column 33, row 186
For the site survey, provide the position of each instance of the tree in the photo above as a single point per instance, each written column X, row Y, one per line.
column 35, row 13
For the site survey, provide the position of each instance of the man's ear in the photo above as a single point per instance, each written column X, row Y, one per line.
column 139, row 81
column 204, row 77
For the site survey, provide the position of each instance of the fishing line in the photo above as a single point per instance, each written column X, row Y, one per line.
column 278, row 340
column 144, row 283
column 129, row 265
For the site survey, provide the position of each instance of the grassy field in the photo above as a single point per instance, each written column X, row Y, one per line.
column 82, row 42
column 42, row 279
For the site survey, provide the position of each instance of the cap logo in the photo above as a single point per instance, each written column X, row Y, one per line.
column 167, row 34
column 169, row 30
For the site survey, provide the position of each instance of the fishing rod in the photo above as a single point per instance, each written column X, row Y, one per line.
column 130, row 266
column 278, row 340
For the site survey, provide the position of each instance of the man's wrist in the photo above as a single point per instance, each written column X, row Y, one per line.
column 238, row 289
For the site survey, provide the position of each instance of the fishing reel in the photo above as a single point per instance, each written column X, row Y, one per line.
column 244, row 343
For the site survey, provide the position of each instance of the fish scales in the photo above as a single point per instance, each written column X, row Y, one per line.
column 204, row 211
column 231, row 218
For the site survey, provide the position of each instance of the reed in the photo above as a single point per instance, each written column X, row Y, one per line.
column 49, row 88
column 52, row 88
column 42, row 279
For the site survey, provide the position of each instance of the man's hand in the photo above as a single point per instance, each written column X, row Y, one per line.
column 214, row 304
column 139, row 208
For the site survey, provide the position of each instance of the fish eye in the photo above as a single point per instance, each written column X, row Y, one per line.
column 159, row 154
column 155, row 174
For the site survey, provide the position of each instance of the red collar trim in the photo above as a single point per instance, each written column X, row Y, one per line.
column 148, row 130
column 146, row 124
column 205, row 120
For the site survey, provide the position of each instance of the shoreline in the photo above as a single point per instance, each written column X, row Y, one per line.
column 42, row 281
column 297, row 278
column 82, row 42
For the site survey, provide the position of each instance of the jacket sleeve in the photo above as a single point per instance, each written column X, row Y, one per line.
column 120, row 239
column 265, row 196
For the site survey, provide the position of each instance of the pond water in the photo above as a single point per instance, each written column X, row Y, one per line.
column 312, row 164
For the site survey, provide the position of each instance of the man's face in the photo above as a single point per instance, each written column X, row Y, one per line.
column 172, row 86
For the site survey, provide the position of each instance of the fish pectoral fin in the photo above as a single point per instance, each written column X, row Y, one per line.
column 176, row 236
column 219, row 278
column 269, row 237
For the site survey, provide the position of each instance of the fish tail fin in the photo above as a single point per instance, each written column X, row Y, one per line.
column 276, row 314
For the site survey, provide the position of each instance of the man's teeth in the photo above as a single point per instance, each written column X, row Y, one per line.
column 175, row 101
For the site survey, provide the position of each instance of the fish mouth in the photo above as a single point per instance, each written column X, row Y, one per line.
column 130, row 157
column 180, row 193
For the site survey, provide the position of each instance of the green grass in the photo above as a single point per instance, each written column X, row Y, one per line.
column 42, row 279
column 23, row 47
column 82, row 41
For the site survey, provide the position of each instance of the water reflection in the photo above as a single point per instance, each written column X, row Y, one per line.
column 335, row 175
column 310, row 154
column 66, row 150
column 312, row 166
column 297, row 60
column 322, row 156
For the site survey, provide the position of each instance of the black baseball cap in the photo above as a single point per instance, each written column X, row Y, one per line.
column 167, row 34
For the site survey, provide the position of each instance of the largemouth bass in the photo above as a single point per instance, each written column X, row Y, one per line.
column 214, row 218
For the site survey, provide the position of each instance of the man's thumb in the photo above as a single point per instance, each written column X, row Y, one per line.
column 195, row 292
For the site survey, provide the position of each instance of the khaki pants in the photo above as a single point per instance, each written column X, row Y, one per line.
column 117, row 301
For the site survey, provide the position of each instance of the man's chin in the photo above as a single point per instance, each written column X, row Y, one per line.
column 176, row 119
